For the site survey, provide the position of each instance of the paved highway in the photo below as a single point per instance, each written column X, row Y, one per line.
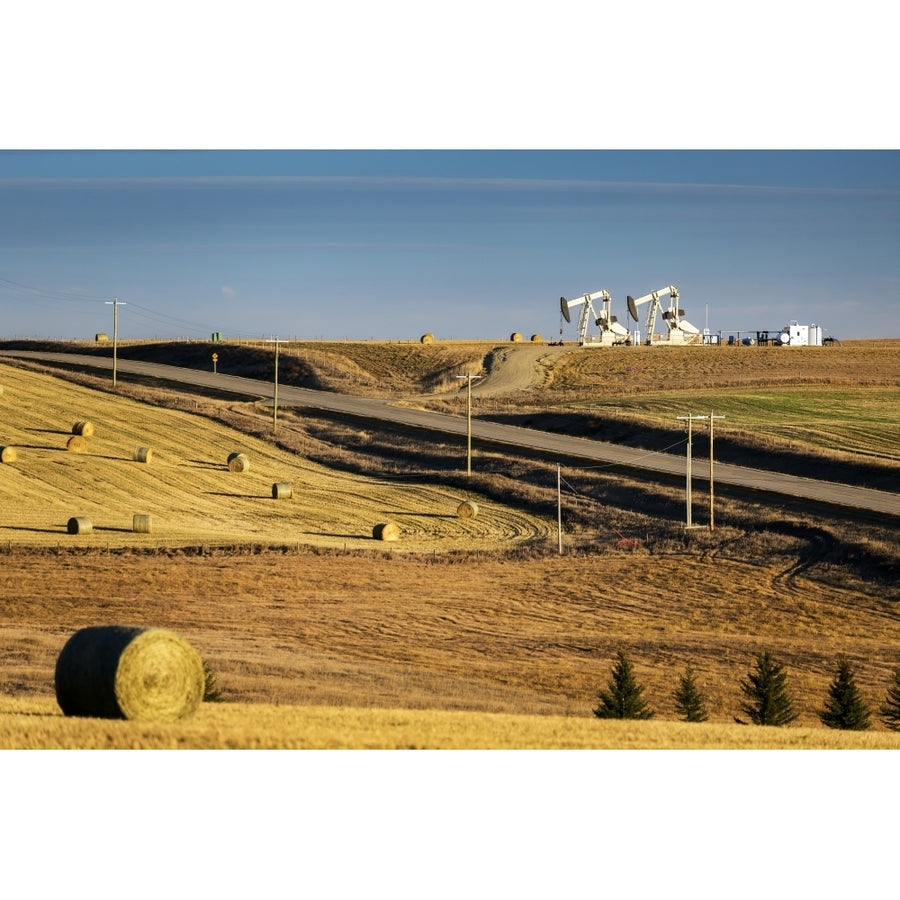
column 555, row 445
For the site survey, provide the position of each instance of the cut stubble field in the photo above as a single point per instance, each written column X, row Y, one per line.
column 466, row 632
column 188, row 490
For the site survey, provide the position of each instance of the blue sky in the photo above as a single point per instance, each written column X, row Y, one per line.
column 464, row 244
column 128, row 167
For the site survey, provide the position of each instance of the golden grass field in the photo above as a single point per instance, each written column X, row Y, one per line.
column 465, row 632
column 37, row 724
column 189, row 492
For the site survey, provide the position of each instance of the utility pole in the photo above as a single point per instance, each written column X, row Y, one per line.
column 276, row 342
column 116, row 303
column 712, row 521
column 690, row 420
column 469, row 423
column 559, row 505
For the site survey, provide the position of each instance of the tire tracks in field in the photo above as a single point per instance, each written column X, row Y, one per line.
column 820, row 544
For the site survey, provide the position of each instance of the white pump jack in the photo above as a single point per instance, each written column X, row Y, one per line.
column 680, row 330
column 611, row 332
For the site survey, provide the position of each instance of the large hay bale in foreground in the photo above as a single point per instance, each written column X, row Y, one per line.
column 76, row 444
column 120, row 672
column 141, row 523
column 142, row 454
column 386, row 531
column 238, row 462
column 8, row 454
column 85, row 429
column 79, row 525
column 468, row 509
column 282, row 490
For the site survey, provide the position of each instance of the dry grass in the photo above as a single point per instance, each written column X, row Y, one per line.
column 360, row 367
column 511, row 634
column 639, row 369
column 37, row 725
column 189, row 492
column 845, row 400
column 463, row 616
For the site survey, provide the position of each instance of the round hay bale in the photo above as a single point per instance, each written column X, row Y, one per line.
column 142, row 454
column 80, row 525
column 119, row 672
column 237, row 462
column 282, row 490
column 76, row 444
column 386, row 531
column 537, row 339
column 427, row 338
column 515, row 337
column 140, row 523
column 468, row 509
column 8, row 454
column 85, row 429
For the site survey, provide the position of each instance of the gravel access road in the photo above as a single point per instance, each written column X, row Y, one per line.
column 556, row 446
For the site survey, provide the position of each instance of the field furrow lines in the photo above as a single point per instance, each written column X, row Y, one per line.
column 188, row 491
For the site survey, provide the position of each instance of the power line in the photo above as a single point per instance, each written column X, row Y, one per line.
column 165, row 318
column 72, row 297
column 679, row 443
column 63, row 296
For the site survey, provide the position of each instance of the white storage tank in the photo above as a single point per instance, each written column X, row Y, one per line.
column 797, row 335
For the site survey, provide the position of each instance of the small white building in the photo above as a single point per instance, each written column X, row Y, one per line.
column 797, row 335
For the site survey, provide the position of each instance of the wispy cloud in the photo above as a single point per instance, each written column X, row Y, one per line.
column 186, row 247
column 427, row 182
column 228, row 291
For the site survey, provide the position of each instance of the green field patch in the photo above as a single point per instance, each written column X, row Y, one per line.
column 862, row 420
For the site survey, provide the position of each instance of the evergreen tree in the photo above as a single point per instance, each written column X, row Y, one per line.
column 690, row 703
column 767, row 702
column 622, row 698
column 890, row 710
column 845, row 707
column 212, row 693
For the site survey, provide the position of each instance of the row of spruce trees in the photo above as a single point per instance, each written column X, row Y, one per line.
column 767, row 700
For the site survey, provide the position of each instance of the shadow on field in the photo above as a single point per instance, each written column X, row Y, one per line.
column 39, row 447
column 206, row 464
column 238, row 496
column 418, row 515
column 332, row 534
column 61, row 528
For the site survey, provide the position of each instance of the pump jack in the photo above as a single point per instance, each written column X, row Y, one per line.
column 611, row 332
column 680, row 330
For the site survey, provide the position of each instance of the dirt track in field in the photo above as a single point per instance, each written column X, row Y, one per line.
column 518, row 368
